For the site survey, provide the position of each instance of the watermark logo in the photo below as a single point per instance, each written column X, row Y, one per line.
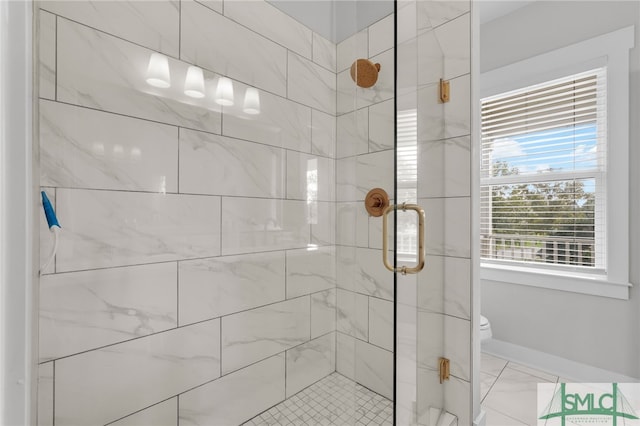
column 563, row 404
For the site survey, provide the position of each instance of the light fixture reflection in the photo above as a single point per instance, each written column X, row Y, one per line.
column 224, row 92
column 251, row 101
column 194, row 83
column 158, row 71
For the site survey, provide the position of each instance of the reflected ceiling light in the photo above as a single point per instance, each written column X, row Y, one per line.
column 158, row 71
column 251, row 101
column 194, row 83
column 224, row 92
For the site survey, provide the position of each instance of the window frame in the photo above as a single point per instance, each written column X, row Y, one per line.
column 610, row 50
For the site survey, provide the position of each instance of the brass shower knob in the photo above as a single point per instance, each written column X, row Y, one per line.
column 364, row 72
column 376, row 202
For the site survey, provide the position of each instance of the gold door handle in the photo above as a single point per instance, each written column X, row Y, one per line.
column 385, row 243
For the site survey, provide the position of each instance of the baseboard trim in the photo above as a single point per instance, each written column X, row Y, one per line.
column 562, row 367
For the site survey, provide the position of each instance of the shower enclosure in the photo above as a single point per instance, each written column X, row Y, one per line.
column 208, row 161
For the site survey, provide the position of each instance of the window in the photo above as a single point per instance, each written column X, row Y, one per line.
column 407, row 182
column 554, row 169
column 543, row 174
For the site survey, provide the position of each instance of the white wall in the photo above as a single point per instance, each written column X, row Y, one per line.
column 594, row 330
column 17, row 342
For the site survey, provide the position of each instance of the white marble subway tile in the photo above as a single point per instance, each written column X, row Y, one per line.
column 368, row 274
column 431, row 58
column 323, row 134
column 324, row 52
column 352, row 224
column 85, row 148
column 375, row 170
column 310, row 177
column 352, row 315
column 457, row 336
column 457, row 112
column 447, row 226
column 217, row 165
column 47, row 52
column 46, row 237
column 322, row 216
column 381, row 35
column 445, row 287
column 107, row 73
column 45, row 394
column 444, row 168
column 236, row 397
column 310, row 270
column 430, row 395
column 85, row 310
column 381, row 323
column 347, row 93
column 104, row 228
column 353, row 133
column 345, row 355
column 431, row 339
column 266, row 19
column 152, row 24
column 370, row 171
column 310, row 362
column 253, row 335
column 352, row 48
column 457, row 399
column 406, row 377
column 346, row 265
column 210, row 288
column 251, row 225
column 431, row 124
column 219, row 44
column 375, row 230
column 382, row 126
column 323, row 313
column 407, row 25
column 351, row 97
column 280, row 123
column 455, row 40
column 215, row 5
column 162, row 414
column 347, row 179
column 149, row 370
column 433, row 13
column 374, row 368
column 407, row 77
column 383, row 89
column 310, row 84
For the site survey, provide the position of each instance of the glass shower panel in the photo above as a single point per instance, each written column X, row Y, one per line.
column 365, row 153
column 433, row 307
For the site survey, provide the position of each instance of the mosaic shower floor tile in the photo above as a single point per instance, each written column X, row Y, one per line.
column 334, row 400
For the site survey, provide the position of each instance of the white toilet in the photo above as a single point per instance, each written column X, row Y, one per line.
column 485, row 328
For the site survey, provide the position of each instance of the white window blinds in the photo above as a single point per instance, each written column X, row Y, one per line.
column 543, row 173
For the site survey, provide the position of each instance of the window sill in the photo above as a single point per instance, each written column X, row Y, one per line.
column 595, row 285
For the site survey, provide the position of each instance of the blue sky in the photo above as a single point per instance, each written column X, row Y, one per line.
column 561, row 149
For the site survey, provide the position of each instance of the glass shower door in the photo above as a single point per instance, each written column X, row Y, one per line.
column 433, row 309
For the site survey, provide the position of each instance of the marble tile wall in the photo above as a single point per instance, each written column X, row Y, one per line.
column 195, row 281
column 209, row 255
column 365, row 160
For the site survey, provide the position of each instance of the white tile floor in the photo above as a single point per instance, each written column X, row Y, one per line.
column 509, row 397
column 509, row 391
column 334, row 400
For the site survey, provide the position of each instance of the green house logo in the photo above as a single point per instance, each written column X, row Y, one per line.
column 589, row 407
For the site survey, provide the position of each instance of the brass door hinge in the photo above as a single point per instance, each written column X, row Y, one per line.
column 444, row 369
column 444, row 91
